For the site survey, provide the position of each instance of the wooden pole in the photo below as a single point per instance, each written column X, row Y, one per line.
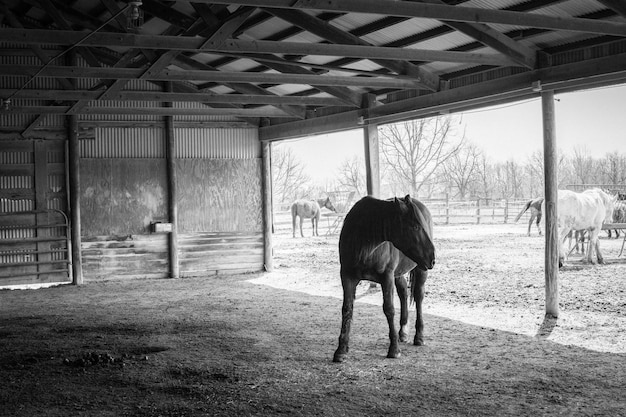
column 372, row 164
column 73, row 165
column 266, row 175
column 551, row 198
column 170, row 139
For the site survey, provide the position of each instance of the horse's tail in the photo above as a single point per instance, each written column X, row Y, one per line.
column 417, row 278
column 294, row 213
column 526, row 206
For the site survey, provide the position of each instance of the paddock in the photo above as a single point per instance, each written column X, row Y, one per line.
column 262, row 343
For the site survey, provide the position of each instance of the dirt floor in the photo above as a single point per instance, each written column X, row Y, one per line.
column 262, row 344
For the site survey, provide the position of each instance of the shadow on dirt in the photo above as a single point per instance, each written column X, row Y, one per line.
column 233, row 348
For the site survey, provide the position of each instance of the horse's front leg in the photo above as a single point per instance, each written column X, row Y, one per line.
column 418, row 279
column 314, row 226
column 401, row 288
column 301, row 221
column 349, row 283
column 387, row 284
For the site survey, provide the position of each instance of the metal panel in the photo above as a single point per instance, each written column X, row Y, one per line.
column 124, row 143
column 240, row 143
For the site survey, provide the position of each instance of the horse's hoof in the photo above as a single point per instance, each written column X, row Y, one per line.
column 403, row 337
column 339, row 357
column 418, row 341
column 393, row 355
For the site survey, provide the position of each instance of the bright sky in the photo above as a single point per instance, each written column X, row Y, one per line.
column 592, row 119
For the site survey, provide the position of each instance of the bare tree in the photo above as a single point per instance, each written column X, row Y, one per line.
column 613, row 168
column 288, row 177
column 351, row 176
column 412, row 151
column 582, row 166
column 461, row 169
column 485, row 186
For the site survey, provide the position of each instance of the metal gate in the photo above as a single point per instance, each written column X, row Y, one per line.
column 34, row 228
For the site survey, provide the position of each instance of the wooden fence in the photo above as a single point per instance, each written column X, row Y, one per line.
column 444, row 211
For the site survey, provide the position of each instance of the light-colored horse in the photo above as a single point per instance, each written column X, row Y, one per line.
column 309, row 209
column 583, row 211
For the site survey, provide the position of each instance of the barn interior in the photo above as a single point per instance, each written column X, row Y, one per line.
column 135, row 136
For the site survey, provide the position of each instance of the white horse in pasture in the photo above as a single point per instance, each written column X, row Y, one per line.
column 583, row 211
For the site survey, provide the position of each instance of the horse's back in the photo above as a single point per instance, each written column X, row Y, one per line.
column 305, row 208
column 580, row 210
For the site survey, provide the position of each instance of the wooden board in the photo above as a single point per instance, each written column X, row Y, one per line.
column 219, row 195
column 122, row 196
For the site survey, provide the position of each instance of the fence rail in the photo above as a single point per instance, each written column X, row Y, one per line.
column 443, row 212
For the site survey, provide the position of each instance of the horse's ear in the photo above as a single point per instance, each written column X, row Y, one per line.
column 407, row 199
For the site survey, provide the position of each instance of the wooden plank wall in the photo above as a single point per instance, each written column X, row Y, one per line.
column 220, row 216
column 120, row 198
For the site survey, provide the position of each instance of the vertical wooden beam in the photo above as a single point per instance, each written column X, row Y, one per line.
column 170, row 139
column 73, row 166
column 266, row 175
column 372, row 161
column 551, row 198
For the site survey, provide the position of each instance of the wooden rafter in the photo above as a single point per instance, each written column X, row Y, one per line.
column 320, row 28
column 443, row 12
column 384, row 55
column 198, row 97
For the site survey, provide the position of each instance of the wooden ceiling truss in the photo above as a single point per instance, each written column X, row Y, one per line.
column 208, row 50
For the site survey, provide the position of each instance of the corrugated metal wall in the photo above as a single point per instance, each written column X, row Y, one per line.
column 205, row 143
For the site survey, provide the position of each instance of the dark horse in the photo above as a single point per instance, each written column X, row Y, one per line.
column 309, row 209
column 535, row 212
column 380, row 241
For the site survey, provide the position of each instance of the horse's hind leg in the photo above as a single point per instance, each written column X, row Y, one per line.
column 389, row 310
column 349, row 289
column 401, row 288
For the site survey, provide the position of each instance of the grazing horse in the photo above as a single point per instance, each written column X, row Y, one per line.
column 583, row 211
column 535, row 212
column 380, row 241
column 309, row 209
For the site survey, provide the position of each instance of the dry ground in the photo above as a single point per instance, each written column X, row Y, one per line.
column 262, row 344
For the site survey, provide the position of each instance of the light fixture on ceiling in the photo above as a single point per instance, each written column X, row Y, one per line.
column 134, row 15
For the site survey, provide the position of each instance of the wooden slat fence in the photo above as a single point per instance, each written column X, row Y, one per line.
column 480, row 211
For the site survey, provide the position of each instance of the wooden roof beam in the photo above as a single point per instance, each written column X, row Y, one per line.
column 442, row 12
column 326, row 31
column 214, row 76
column 486, row 35
column 198, row 97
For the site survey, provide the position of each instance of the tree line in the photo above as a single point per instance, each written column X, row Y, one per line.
column 431, row 158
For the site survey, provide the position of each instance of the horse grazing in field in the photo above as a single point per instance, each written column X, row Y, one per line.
column 535, row 212
column 380, row 241
column 309, row 209
column 583, row 211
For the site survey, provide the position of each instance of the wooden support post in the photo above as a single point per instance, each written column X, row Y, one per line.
column 478, row 211
column 73, row 165
column 266, row 175
column 170, row 139
column 551, row 198
column 372, row 162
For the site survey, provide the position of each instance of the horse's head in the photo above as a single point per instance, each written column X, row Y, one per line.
column 416, row 231
column 329, row 205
